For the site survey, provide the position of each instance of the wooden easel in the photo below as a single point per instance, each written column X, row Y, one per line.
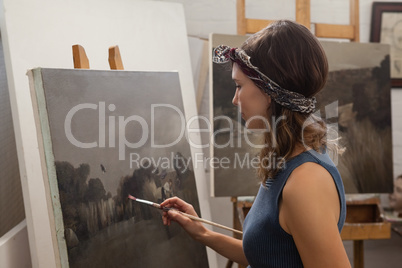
column 81, row 60
column 364, row 218
column 350, row 31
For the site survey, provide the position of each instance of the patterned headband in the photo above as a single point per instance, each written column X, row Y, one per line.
column 289, row 99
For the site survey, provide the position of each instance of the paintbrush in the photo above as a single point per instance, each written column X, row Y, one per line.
column 155, row 205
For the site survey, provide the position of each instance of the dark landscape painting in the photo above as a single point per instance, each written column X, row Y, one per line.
column 355, row 103
column 108, row 134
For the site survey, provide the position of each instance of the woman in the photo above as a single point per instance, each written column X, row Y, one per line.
column 300, row 209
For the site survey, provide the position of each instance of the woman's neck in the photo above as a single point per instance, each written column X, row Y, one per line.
column 299, row 148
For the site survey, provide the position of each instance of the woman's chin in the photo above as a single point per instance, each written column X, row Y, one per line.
column 256, row 126
column 256, row 129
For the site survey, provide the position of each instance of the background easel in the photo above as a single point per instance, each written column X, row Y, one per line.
column 350, row 31
column 364, row 217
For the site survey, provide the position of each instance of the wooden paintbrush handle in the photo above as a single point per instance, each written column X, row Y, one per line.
column 155, row 205
column 210, row 222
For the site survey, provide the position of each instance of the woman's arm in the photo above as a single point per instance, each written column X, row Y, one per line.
column 310, row 211
column 227, row 246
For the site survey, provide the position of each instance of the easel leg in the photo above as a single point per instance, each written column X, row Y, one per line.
column 237, row 225
column 358, row 254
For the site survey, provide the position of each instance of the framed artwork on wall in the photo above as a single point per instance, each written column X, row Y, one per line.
column 386, row 27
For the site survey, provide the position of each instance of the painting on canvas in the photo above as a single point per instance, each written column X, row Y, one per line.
column 355, row 101
column 108, row 134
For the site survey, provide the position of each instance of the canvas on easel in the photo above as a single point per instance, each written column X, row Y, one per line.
column 359, row 88
column 104, row 135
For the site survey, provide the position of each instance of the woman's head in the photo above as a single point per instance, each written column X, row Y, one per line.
column 290, row 55
column 288, row 64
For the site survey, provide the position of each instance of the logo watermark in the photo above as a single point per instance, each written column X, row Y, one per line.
column 112, row 131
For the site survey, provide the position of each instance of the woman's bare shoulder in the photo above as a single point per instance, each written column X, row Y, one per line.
column 310, row 174
column 309, row 187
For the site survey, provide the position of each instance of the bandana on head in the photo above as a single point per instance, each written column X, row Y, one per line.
column 289, row 99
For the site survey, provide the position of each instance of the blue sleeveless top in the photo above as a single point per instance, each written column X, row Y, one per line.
column 265, row 243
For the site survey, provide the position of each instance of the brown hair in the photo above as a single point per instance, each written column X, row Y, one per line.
column 289, row 54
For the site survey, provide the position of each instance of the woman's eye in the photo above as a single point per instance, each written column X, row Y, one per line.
column 238, row 86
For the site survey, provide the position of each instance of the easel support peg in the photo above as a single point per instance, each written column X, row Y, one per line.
column 80, row 57
column 115, row 61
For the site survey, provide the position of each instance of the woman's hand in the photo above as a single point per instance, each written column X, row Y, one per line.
column 225, row 245
column 193, row 228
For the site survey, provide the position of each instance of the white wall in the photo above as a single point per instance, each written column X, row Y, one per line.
column 14, row 249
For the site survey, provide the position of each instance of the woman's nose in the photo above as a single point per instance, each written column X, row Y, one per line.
column 235, row 100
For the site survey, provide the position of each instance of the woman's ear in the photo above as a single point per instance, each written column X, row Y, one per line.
column 269, row 106
column 269, row 100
